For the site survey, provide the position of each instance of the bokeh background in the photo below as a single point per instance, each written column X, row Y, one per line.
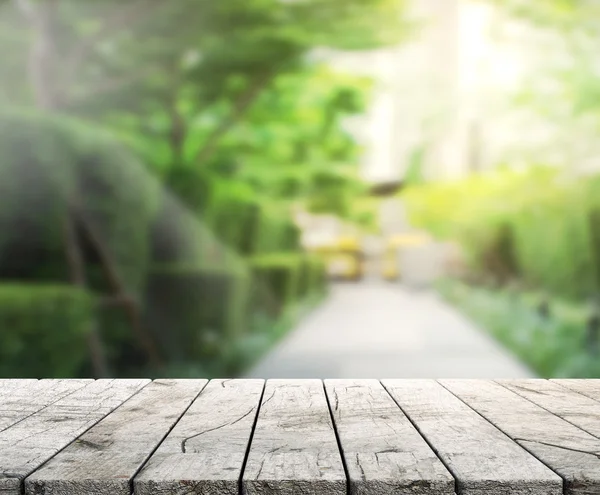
column 302, row 188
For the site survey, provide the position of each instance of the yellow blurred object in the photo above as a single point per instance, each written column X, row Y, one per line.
column 345, row 266
column 402, row 240
column 343, row 258
column 348, row 244
column 390, row 269
column 390, row 263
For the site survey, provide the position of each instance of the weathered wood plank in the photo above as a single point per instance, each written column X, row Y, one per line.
column 577, row 409
column 11, row 383
column 26, row 445
column 588, row 387
column 383, row 451
column 22, row 398
column 568, row 450
column 105, row 459
column 482, row 459
column 205, row 451
column 294, row 448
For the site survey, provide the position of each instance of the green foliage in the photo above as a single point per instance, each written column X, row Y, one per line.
column 568, row 66
column 414, row 173
column 276, row 232
column 192, row 312
column 553, row 348
column 218, row 322
column 535, row 226
column 250, row 106
column 225, row 103
column 71, row 165
column 279, row 273
column 43, row 330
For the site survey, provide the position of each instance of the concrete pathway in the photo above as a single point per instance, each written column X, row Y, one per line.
column 379, row 330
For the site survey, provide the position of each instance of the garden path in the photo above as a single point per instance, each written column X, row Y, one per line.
column 375, row 329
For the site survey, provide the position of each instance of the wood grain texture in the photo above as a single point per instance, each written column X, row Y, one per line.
column 205, row 451
column 565, row 448
column 588, row 387
column 383, row 451
column 14, row 383
column 482, row 459
column 565, row 403
column 294, row 449
column 26, row 445
column 104, row 460
column 20, row 399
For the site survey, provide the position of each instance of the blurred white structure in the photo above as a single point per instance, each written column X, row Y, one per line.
column 451, row 90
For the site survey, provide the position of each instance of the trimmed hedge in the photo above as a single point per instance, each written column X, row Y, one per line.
column 317, row 275
column 280, row 275
column 192, row 311
column 71, row 162
column 245, row 224
column 199, row 295
column 277, row 233
column 43, row 330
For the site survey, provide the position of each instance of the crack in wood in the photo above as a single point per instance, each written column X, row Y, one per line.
column 185, row 440
column 596, row 454
column 272, row 395
column 262, row 464
column 362, row 471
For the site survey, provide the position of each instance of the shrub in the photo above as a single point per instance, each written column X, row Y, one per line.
column 279, row 274
column 277, row 233
column 537, row 226
column 234, row 215
column 193, row 311
column 554, row 347
column 43, row 330
column 318, row 275
column 49, row 163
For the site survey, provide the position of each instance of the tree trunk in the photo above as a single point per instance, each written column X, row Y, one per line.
column 120, row 292
column 77, row 275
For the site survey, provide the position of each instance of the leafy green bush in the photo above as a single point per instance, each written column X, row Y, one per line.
column 318, row 276
column 49, row 163
column 304, row 277
column 312, row 278
column 43, row 330
column 553, row 347
column 193, row 311
column 279, row 274
column 536, row 226
column 233, row 214
column 247, row 225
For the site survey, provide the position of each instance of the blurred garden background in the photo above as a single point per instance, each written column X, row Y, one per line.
column 184, row 185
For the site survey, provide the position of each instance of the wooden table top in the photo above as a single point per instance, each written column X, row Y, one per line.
column 471, row 437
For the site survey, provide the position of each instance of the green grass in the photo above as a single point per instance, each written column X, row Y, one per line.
column 555, row 347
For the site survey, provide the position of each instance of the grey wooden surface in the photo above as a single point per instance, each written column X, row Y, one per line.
column 20, row 399
column 482, row 459
column 590, row 388
column 28, row 444
column 106, row 458
column 383, row 451
column 560, row 445
column 294, row 448
column 363, row 437
column 207, row 448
